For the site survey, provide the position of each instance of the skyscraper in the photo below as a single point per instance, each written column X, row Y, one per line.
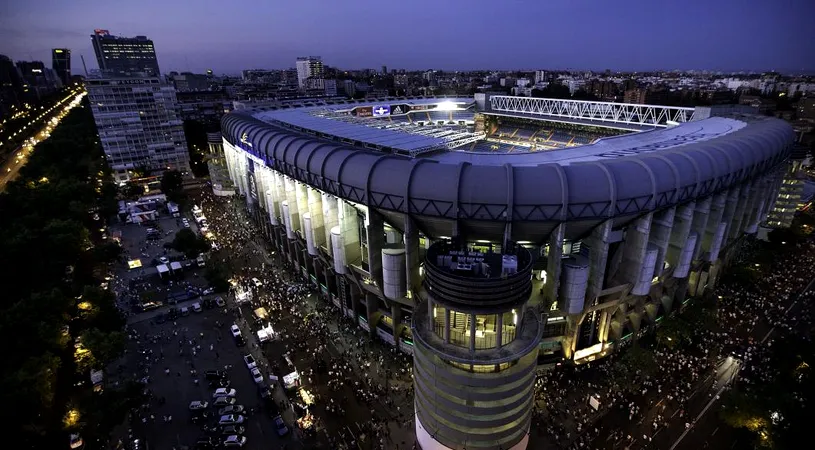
column 61, row 63
column 308, row 67
column 138, row 124
column 135, row 111
column 118, row 56
column 11, row 87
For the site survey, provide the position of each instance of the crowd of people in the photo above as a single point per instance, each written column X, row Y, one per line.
column 362, row 390
column 638, row 398
column 358, row 386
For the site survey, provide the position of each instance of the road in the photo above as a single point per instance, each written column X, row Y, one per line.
column 17, row 159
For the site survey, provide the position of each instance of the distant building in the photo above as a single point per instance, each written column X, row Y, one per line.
column 11, row 88
column 635, row 96
column 222, row 185
column 124, row 56
column 349, row 87
column 37, row 79
column 540, row 76
column 331, row 88
column 61, row 64
column 187, row 81
column 308, row 67
column 138, row 125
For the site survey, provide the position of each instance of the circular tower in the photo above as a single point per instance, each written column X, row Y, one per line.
column 476, row 348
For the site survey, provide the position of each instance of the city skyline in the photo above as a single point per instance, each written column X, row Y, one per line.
column 585, row 36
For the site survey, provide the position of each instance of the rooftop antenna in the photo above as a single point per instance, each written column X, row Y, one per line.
column 83, row 65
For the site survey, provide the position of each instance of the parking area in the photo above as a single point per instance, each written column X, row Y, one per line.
column 176, row 355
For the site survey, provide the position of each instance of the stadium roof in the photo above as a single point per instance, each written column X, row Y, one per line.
column 309, row 119
column 621, row 176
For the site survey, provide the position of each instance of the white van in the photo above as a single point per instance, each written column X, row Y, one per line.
column 185, row 311
column 196, row 307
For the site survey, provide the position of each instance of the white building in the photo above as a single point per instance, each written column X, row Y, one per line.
column 540, row 76
column 138, row 125
column 308, row 67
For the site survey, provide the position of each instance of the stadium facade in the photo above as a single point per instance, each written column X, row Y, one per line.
column 484, row 246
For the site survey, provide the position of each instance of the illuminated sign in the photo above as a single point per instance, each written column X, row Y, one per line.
column 421, row 107
column 363, row 111
column 399, row 110
column 101, row 32
column 382, row 110
column 245, row 139
column 58, row 51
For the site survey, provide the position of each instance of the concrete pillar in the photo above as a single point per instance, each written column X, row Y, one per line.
column 717, row 206
column 661, row 228
column 683, row 219
column 291, row 206
column 741, row 209
column 702, row 215
column 376, row 241
column 730, row 208
column 274, row 195
column 372, row 312
column 338, row 250
column 330, row 219
column 635, row 246
column 396, row 315
column 301, row 195
column 349, row 227
column 315, row 212
column 308, row 233
column 598, row 243
column 394, row 273
column 414, row 281
column 553, row 263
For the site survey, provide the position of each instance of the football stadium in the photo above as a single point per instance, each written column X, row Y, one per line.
column 489, row 235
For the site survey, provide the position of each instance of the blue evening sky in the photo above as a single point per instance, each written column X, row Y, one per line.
column 230, row 35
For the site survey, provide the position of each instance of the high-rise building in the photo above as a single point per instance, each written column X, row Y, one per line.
column 124, row 56
column 61, row 63
column 11, row 87
column 308, row 67
column 138, row 125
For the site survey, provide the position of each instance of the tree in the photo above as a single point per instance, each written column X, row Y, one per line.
column 131, row 190
column 217, row 277
column 187, row 242
column 172, row 185
column 102, row 348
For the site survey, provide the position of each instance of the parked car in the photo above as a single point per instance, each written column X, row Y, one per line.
column 198, row 405
column 231, row 419
column 224, row 392
column 223, row 401
column 281, row 427
column 233, row 409
column 236, row 332
column 250, row 361
column 235, row 441
column 220, row 302
column 256, row 375
column 257, row 282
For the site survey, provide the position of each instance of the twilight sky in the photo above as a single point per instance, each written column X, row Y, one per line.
column 230, row 35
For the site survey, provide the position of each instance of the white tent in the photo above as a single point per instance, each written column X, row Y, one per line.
column 175, row 265
column 162, row 269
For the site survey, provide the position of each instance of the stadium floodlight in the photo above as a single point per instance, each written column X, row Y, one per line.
column 446, row 106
